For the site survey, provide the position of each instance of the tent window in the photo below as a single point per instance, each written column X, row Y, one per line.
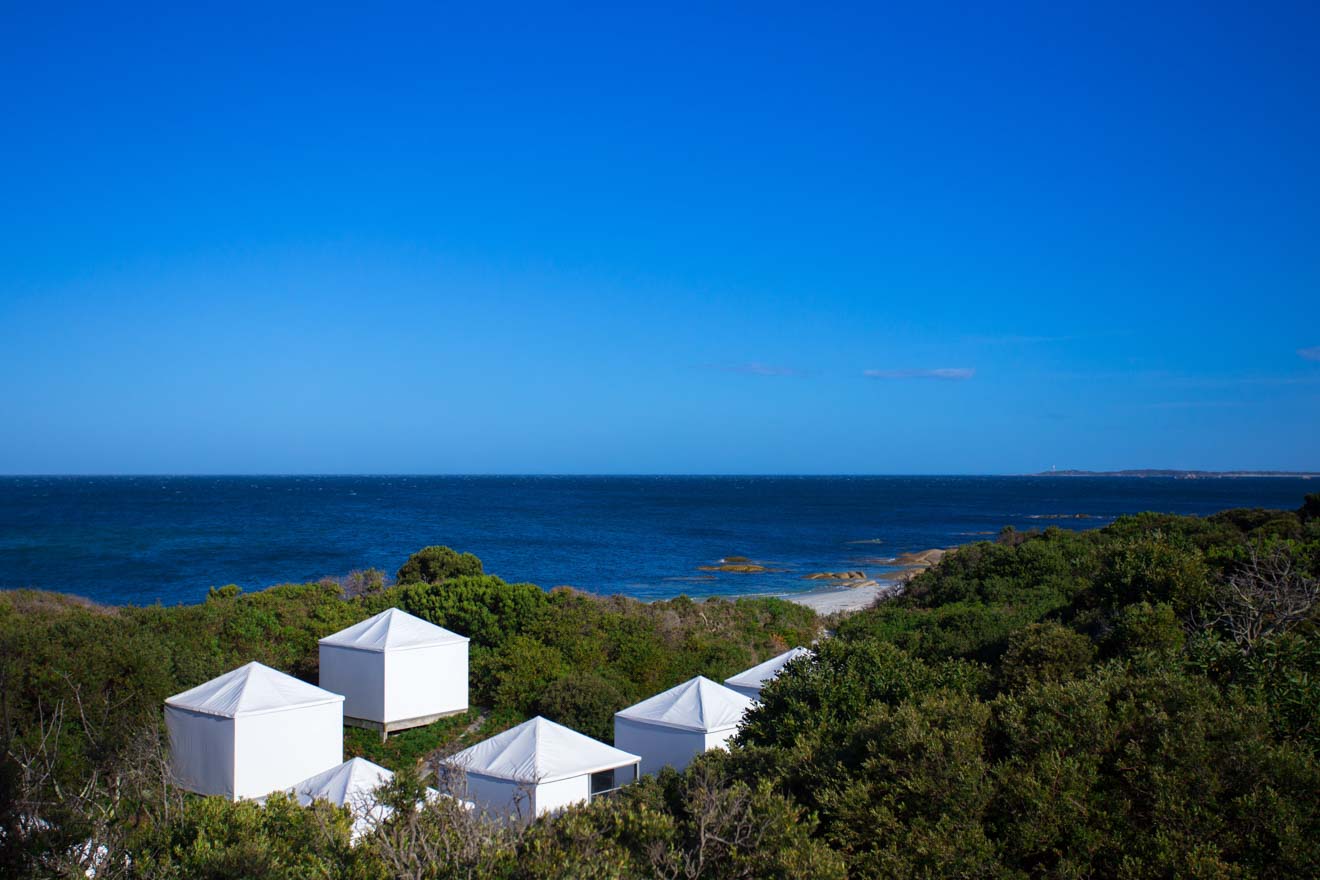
column 603, row 784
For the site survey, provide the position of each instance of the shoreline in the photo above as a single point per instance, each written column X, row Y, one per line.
column 833, row 600
column 187, row 536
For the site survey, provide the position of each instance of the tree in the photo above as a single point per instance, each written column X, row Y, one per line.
column 431, row 565
column 1267, row 594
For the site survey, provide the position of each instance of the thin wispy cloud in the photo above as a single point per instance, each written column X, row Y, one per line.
column 754, row 368
column 1310, row 354
column 948, row 374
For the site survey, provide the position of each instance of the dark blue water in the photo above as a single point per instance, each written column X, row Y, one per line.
column 143, row 539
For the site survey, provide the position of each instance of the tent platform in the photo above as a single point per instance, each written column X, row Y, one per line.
column 388, row 727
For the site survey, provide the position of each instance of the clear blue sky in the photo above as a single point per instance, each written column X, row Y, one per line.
column 962, row 239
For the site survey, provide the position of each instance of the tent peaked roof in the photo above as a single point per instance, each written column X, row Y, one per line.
column 251, row 690
column 763, row 672
column 697, row 704
column 540, row 751
column 392, row 630
column 344, row 785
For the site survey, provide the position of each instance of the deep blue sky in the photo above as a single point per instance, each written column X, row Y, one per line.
column 572, row 239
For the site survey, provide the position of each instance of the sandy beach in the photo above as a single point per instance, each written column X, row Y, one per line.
column 837, row 599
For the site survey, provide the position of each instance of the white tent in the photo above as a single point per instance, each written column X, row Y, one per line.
column 351, row 784
column 675, row 726
column 539, row 767
column 749, row 682
column 252, row 731
column 396, row 671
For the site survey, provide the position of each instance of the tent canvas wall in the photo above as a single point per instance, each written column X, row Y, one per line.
column 675, row 726
column 252, row 731
column 539, row 767
column 396, row 671
column 750, row 681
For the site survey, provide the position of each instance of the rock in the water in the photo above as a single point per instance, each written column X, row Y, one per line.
column 748, row 568
column 925, row 557
column 1060, row 516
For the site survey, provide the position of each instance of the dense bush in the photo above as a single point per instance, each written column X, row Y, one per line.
column 216, row 839
column 1045, row 652
column 481, row 607
column 1137, row 701
column 1153, row 568
column 585, row 702
column 1146, row 627
column 1121, row 730
column 817, row 696
column 92, row 679
column 1310, row 509
column 1156, row 774
column 431, row 565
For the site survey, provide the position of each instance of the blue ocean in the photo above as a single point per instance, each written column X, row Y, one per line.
column 168, row 539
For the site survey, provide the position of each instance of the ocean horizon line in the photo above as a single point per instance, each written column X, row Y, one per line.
column 1070, row 472
column 138, row 537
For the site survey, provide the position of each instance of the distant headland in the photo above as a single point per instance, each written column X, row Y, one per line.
column 1179, row 475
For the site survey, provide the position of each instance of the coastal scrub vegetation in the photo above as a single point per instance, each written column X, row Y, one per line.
column 432, row 565
column 1137, row 701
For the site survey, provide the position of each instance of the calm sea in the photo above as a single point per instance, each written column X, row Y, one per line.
column 147, row 539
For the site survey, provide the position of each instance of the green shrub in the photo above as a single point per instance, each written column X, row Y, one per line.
column 1122, row 773
column 431, row 565
column 228, row 591
column 483, row 608
column 916, row 801
column 1145, row 627
column 891, row 753
column 516, row 674
column 586, row 702
column 217, row 839
column 1045, row 652
column 1153, row 568
column 1283, row 673
column 814, row 696
column 969, row 629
